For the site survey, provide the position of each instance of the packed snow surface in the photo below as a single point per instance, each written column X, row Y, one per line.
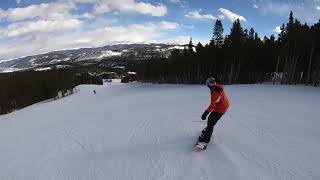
column 147, row 132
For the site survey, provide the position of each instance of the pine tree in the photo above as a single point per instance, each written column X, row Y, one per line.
column 199, row 48
column 217, row 38
column 245, row 58
column 251, row 34
column 237, row 35
column 291, row 21
column 190, row 46
column 236, row 39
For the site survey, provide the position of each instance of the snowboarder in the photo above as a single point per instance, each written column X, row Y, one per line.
column 94, row 91
column 218, row 106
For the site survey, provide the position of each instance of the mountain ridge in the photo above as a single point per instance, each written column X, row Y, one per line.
column 138, row 51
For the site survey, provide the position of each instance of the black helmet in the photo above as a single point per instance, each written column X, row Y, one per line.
column 211, row 82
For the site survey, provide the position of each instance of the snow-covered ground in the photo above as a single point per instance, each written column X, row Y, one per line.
column 147, row 132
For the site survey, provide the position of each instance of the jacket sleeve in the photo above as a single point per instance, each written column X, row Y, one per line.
column 214, row 98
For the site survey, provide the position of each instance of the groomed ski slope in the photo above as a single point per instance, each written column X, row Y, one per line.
column 147, row 132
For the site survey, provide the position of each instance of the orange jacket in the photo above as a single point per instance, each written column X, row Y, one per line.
column 219, row 101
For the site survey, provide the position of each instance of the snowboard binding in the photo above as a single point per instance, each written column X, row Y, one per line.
column 200, row 143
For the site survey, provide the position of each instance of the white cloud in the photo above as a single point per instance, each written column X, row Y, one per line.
column 318, row 7
column 277, row 29
column 278, row 8
column 84, row 1
column 88, row 16
column 231, row 15
column 175, row 1
column 178, row 40
column 220, row 16
column 83, row 16
column 41, row 26
column 61, row 9
column 182, row 40
column 41, row 43
column 168, row 25
column 18, row 1
column 104, row 6
column 44, row 10
column 197, row 15
column 3, row 14
column 305, row 11
column 45, row 27
column 187, row 26
column 255, row 6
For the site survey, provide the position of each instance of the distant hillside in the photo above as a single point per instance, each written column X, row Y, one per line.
column 85, row 55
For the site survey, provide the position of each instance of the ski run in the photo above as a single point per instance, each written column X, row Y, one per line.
column 147, row 132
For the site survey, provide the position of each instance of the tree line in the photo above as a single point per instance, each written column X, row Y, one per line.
column 23, row 88
column 242, row 57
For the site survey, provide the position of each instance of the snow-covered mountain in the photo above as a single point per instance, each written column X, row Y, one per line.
column 125, row 51
column 147, row 132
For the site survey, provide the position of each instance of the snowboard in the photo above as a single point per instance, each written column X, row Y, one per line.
column 201, row 146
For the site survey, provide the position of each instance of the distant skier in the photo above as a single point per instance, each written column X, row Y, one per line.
column 94, row 91
column 218, row 106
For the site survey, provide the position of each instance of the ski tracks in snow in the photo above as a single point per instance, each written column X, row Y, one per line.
column 75, row 137
column 142, row 125
column 70, row 134
column 146, row 131
column 246, row 155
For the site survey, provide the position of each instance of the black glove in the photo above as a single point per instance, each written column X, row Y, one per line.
column 204, row 115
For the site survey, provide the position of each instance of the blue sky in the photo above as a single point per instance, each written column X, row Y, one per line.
column 36, row 26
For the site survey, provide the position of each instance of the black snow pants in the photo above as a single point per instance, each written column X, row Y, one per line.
column 212, row 121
